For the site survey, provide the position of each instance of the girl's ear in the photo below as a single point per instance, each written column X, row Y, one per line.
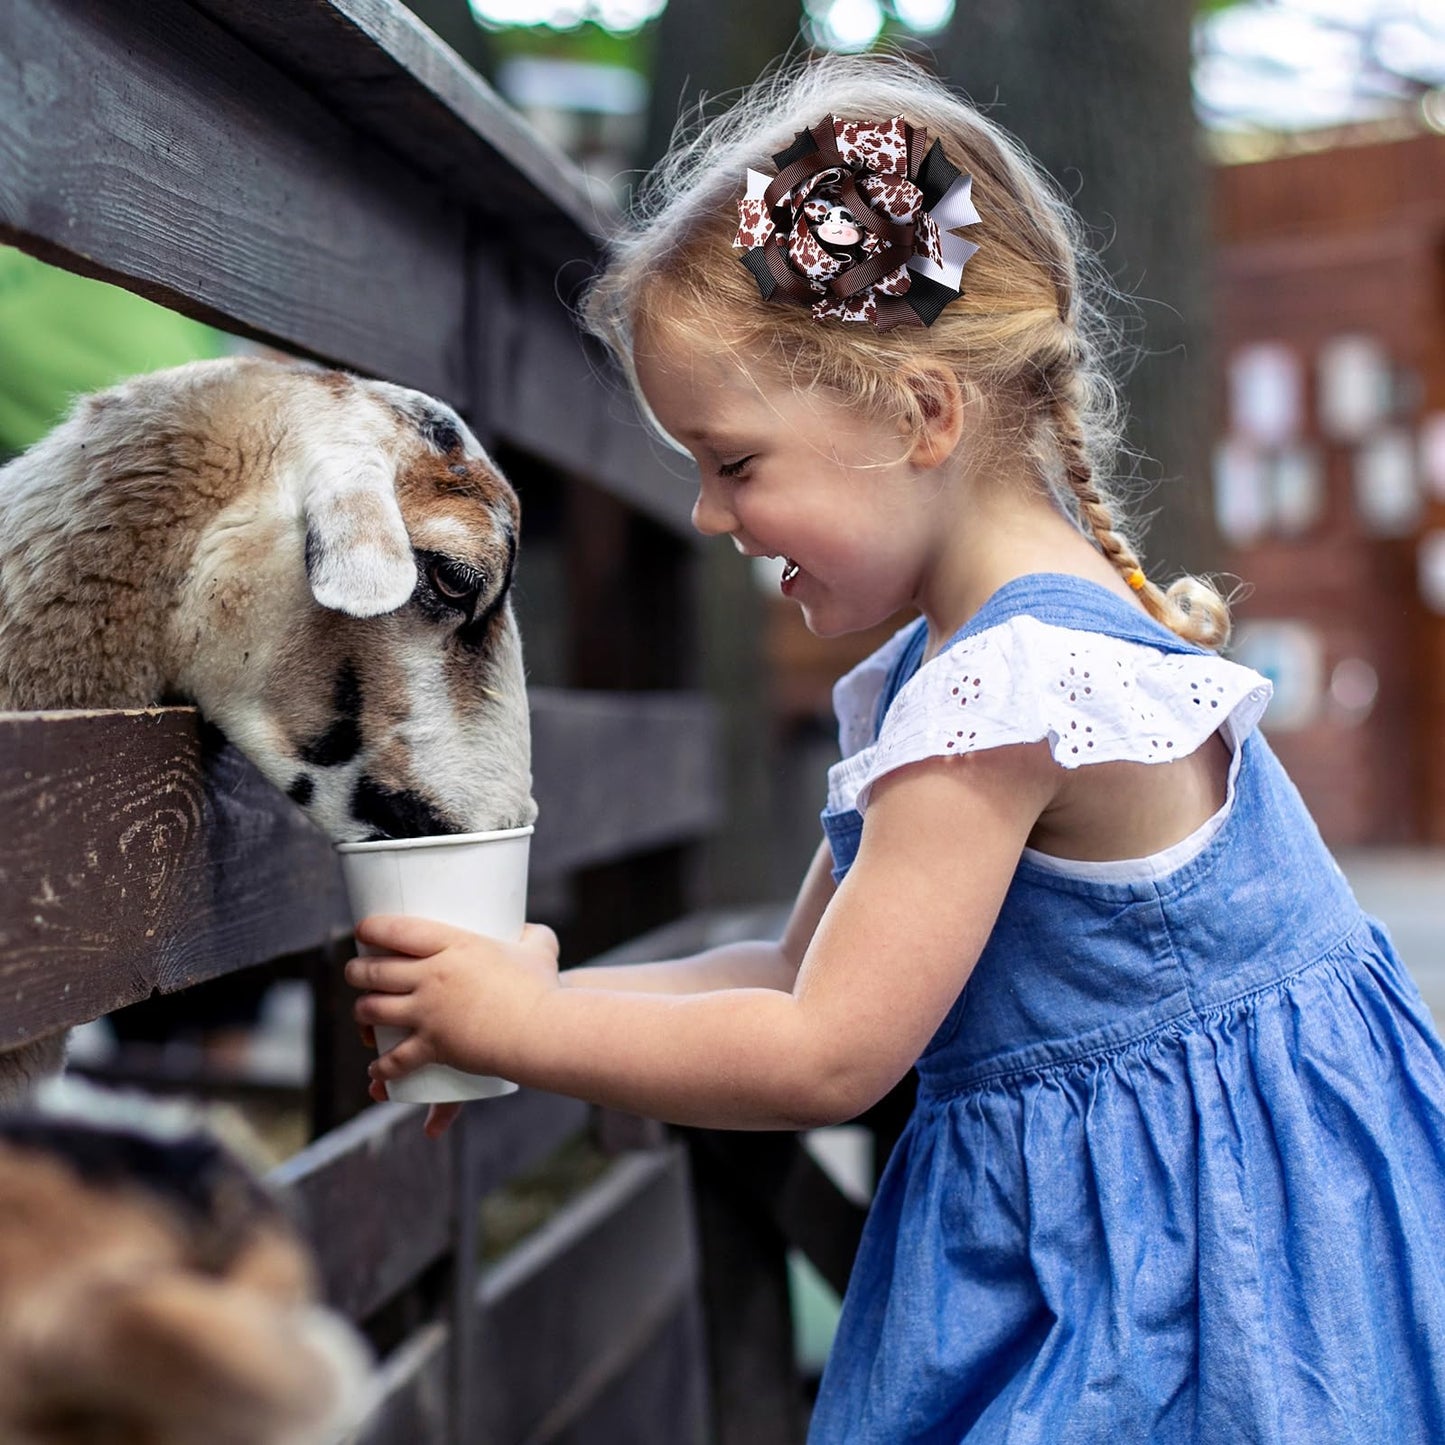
column 941, row 405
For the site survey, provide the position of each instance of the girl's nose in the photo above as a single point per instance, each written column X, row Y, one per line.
column 709, row 515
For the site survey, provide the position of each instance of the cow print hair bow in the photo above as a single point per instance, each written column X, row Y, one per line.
column 858, row 224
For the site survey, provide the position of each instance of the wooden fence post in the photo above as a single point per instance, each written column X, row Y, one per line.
column 756, row 1395
column 339, row 1059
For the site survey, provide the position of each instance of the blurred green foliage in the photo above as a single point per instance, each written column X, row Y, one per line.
column 62, row 335
column 590, row 42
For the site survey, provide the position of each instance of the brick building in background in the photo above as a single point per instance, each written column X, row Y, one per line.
column 1330, row 482
column 1330, row 474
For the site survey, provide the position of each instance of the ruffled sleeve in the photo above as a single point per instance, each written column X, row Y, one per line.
column 1095, row 698
column 856, row 693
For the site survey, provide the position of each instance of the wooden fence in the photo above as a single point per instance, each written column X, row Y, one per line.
column 326, row 177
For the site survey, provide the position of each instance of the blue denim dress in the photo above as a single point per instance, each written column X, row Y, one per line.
column 1177, row 1167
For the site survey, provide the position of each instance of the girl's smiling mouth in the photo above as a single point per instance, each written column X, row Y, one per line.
column 790, row 576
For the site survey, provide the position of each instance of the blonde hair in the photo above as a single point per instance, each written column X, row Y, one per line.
column 1028, row 336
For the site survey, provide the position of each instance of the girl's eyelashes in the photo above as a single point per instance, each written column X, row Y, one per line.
column 734, row 469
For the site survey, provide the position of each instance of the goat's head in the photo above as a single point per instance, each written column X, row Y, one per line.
column 357, row 637
column 321, row 563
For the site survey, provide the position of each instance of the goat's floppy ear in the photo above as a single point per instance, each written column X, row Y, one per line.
column 358, row 556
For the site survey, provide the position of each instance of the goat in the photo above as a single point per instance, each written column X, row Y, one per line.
column 321, row 563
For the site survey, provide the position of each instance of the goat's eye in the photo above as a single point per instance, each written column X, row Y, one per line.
column 455, row 580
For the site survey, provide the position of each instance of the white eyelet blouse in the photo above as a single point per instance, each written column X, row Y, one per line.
column 1095, row 699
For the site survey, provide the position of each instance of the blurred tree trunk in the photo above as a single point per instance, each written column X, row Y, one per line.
column 1099, row 91
column 707, row 49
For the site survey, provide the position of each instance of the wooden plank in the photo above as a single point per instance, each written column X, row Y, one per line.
column 756, row 1395
column 380, row 69
column 495, row 1141
column 696, row 932
column 412, row 1397
column 338, row 1087
column 657, row 1399
column 138, row 856
column 376, row 1193
column 375, row 1197
column 142, row 144
column 573, row 1307
column 774, row 1178
column 619, row 772
column 144, row 857
column 631, row 591
column 508, row 1136
column 660, row 1399
column 556, row 395
column 471, row 1129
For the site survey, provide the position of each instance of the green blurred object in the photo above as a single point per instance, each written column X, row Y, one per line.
column 816, row 1308
column 63, row 334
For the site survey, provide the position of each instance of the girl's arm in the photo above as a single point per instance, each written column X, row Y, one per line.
column 752, row 964
column 886, row 961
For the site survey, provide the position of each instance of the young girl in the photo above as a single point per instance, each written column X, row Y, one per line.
column 1177, row 1167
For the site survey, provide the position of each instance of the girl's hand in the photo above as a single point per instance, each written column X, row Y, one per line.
column 465, row 1000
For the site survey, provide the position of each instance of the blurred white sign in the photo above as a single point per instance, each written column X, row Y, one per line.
column 1354, row 386
column 1298, row 488
column 1430, row 564
column 1266, row 393
column 1241, row 494
column 1432, row 455
column 1386, row 494
column 1354, row 686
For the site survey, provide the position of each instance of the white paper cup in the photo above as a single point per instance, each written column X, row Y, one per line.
column 476, row 881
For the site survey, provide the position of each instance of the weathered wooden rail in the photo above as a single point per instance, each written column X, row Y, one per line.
column 326, row 177
column 139, row 843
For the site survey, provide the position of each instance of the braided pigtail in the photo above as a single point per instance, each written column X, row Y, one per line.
column 1190, row 606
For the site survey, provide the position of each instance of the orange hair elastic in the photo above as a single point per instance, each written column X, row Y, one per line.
column 1136, row 580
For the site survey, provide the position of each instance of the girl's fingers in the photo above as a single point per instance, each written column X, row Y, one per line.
column 382, row 975
column 400, row 933
column 390, row 1009
column 409, row 1055
column 439, row 1118
column 377, row 1090
column 538, row 935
